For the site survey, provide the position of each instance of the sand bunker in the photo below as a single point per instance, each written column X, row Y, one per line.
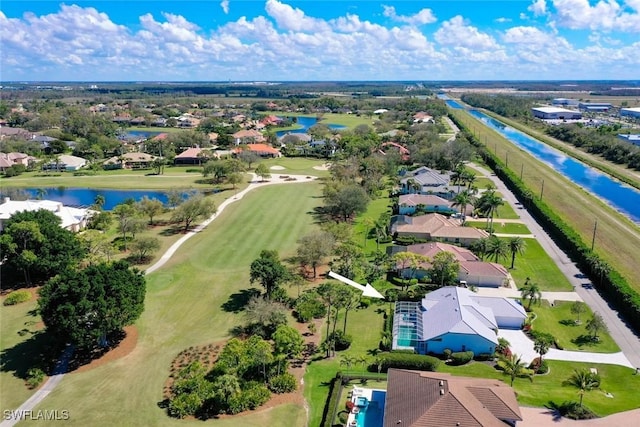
column 277, row 168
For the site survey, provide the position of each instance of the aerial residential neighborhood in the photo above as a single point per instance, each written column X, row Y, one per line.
column 319, row 214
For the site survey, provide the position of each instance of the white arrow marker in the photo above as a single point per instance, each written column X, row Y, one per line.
column 367, row 291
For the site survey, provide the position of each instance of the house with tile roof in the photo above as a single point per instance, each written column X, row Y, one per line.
column 436, row 227
column 194, row 156
column 65, row 162
column 263, row 150
column 410, row 203
column 457, row 319
column 434, row 399
column 134, row 160
column 471, row 270
column 248, row 136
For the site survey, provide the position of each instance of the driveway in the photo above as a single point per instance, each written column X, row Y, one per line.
column 626, row 339
column 539, row 417
column 522, row 345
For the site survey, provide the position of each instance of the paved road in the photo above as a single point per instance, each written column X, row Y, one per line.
column 626, row 339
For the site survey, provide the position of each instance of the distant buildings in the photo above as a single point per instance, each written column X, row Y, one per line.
column 65, row 162
column 565, row 102
column 632, row 138
column 554, row 113
column 595, row 106
column 630, row 112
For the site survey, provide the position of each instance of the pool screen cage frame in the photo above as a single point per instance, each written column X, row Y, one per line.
column 407, row 313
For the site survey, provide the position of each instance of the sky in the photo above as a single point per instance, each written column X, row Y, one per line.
column 316, row 40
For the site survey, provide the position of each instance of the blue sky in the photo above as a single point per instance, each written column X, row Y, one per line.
column 281, row 40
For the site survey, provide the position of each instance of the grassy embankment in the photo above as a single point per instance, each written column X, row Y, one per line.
column 185, row 306
column 617, row 237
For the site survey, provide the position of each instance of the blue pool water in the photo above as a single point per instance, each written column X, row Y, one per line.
column 373, row 414
column 407, row 336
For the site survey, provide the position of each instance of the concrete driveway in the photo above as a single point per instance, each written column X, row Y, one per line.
column 522, row 345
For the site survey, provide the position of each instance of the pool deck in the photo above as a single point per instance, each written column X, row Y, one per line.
column 355, row 394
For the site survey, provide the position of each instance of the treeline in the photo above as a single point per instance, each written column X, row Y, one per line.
column 607, row 281
column 508, row 106
column 598, row 141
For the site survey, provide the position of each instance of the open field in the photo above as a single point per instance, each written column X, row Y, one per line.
column 559, row 322
column 617, row 239
column 193, row 300
column 501, row 227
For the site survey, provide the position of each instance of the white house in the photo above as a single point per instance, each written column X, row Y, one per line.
column 65, row 162
column 73, row 219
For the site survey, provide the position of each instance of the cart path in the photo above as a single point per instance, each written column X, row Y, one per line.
column 25, row 410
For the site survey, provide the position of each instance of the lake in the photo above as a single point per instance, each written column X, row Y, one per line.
column 622, row 197
column 86, row 196
column 306, row 123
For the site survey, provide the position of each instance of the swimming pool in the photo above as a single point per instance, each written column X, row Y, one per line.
column 407, row 336
column 373, row 414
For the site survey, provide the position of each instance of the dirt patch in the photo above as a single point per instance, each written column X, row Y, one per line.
column 323, row 167
column 117, row 351
column 205, row 354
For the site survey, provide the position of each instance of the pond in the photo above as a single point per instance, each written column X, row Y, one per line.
column 306, row 123
column 87, row 196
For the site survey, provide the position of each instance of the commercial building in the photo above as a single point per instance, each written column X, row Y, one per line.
column 555, row 113
column 595, row 106
column 630, row 112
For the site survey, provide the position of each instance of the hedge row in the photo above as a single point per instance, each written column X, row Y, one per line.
column 416, row 362
column 331, row 406
column 610, row 284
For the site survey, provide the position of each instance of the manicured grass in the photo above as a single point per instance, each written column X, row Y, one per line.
column 364, row 326
column 617, row 238
column 501, row 227
column 538, row 265
column 617, row 380
column 559, row 322
column 18, row 352
column 297, row 166
column 364, row 234
column 189, row 302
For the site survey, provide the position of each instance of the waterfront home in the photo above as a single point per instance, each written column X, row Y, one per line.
column 65, row 162
column 434, row 399
column 410, row 203
column 435, row 227
column 456, row 319
column 134, row 160
column 73, row 219
column 262, row 150
column 248, row 136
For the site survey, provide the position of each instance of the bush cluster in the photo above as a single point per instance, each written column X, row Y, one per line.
column 35, row 376
column 16, row 297
column 461, row 358
column 398, row 360
column 341, row 340
column 283, row 383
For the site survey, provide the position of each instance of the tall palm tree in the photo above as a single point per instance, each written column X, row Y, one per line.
column 517, row 245
column 584, row 380
column 497, row 248
column 457, row 175
column 488, row 205
column 599, row 267
column 480, row 247
column 462, row 199
column 542, row 344
column 514, row 367
column 347, row 360
column 531, row 291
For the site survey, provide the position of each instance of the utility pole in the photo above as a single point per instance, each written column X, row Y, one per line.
column 521, row 169
column 593, row 239
column 542, row 190
column 506, row 159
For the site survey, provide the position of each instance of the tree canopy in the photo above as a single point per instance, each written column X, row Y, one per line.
column 86, row 307
column 268, row 271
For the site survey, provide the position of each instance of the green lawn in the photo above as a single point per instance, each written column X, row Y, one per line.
column 538, row 265
column 559, row 322
column 617, row 380
column 190, row 302
column 501, row 227
column 19, row 352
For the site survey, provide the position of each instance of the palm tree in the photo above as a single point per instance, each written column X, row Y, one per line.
column 513, row 366
column 457, row 175
column 542, row 344
column 488, row 205
column 578, row 308
column 468, row 177
column 584, row 380
column 595, row 325
column 462, row 200
column 517, row 245
column 497, row 248
column 531, row 291
column 347, row 360
column 480, row 247
column 40, row 193
column 599, row 266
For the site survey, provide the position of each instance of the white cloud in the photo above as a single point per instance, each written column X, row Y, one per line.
column 292, row 19
column 424, row 16
column 538, row 7
column 76, row 43
column 502, row 20
column 456, row 32
column 605, row 15
column 224, row 4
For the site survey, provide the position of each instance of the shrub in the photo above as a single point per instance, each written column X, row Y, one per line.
column 539, row 368
column 447, row 353
column 342, row 340
column 482, row 357
column 308, row 308
column 461, row 358
column 255, row 395
column 184, row 405
column 285, row 383
column 417, row 362
column 574, row 411
column 35, row 376
column 16, row 297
